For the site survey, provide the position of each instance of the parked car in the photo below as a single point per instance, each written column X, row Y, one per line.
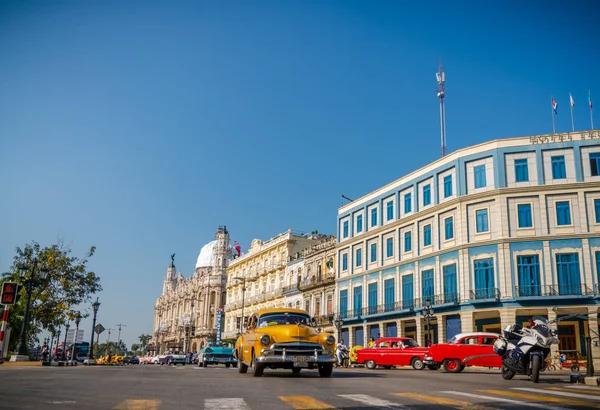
column 465, row 349
column 216, row 355
column 131, row 360
column 175, row 358
column 284, row 339
column 146, row 359
column 392, row 351
column 160, row 359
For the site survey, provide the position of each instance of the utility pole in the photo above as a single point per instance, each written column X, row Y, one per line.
column 108, row 340
column 119, row 336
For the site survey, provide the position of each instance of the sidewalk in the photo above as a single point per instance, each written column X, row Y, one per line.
column 20, row 364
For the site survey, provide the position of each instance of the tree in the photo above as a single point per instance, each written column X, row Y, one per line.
column 68, row 284
column 144, row 339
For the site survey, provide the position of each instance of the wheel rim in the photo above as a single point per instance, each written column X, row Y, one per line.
column 451, row 365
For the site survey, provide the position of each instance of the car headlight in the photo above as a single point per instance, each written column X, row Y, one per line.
column 265, row 340
column 330, row 340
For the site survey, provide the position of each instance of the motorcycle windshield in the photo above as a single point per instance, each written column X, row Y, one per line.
column 543, row 330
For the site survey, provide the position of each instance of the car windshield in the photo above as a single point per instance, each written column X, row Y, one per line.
column 453, row 340
column 410, row 343
column 285, row 318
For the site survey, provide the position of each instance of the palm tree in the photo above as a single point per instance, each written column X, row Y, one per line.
column 144, row 339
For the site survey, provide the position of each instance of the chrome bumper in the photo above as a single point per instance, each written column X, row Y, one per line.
column 428, row 360
column 270, row 357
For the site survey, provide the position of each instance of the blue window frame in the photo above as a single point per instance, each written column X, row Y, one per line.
column 407, row 241
column 521, row 170
column 558, row 167
column 373, row 252
column 427, row 235
column 374, row 217
column 389, row 243
column 343, row 303
column 481, row 220
column 389, row 294
column 359, row 257
column 528, row 268
column 407, row 292
column 447, row 186
column 524, row 216
column 449, row 228
column 595, row 164
column 358, row 302
column 426, row 195
column 598, row 265
column 408, row 203
column 345, row 229
column 563, row 213
column 567, row 270
column 450, row 289
column 345, row 261
column 597, row 210
column 359, row 224
column 484, row 279
column 479, row 173
column 372, row 289
column 390, row 210
column 427, row 283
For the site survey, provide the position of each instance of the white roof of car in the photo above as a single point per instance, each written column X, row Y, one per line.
column 461, row 335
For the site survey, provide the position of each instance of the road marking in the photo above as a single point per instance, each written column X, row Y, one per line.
column 580, row 387
column 63, row 402
column 138, row 404
column 225, row 404
column 370, row 400
column 560, row 393
column 595, row 390
column 495, row 399
column 443, row 401
column 305, row 402
column 567, row 402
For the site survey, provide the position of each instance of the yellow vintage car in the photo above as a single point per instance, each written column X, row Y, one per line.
column 284, row 339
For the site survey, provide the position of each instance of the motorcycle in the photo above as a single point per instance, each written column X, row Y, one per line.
column 345, row 359
column 524, row 350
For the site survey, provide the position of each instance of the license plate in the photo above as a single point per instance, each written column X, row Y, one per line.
column 299, row 358
column 300, row 364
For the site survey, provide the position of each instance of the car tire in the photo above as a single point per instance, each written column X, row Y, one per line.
column 433, row 366
column 325, row 370
column 387, row 367
column 452, row 366
column 296, row 370
column 243, row 368
column 227, row 365
column 256, row 369
column 417, row 364
column 204, row 363
column 370, row 364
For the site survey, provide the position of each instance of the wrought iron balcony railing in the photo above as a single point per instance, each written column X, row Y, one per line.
column 316, row 282
column 484, row 294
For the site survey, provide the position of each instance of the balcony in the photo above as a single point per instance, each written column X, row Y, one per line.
column 290, row 288
column 484, row 294
column 574, row 290
column 316, row 282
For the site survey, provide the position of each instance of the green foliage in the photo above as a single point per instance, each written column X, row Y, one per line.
column 68, row 284
column 144, row 339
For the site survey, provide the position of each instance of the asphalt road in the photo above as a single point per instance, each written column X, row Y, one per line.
column 156, row 387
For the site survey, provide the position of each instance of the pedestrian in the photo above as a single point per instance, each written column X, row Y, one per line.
column 372, row 342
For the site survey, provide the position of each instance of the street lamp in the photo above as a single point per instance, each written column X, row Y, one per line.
column 95, row 306
column 36, row 278
column 74, row 351
column 64, row 349
column 428, row 315
column 338, row 323
column 243, row 299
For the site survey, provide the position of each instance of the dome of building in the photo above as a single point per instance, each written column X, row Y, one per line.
column 205, row 258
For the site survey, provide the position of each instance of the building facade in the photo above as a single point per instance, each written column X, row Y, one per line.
column 489, row 235
column 186, row 313
column 262, row 273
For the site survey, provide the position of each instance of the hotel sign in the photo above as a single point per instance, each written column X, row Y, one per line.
column 565, row 137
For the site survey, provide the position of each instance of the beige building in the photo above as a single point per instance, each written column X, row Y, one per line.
column 261, row 272
column 186, row 313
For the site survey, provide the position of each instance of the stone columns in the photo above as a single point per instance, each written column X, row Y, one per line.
column 399, row 328
column 419, row 337
column 441, row 328
column 554, row 348
column 507, row 317
column 594, row 333
column 467, row 323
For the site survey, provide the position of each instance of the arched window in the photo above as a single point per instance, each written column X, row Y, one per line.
column 297, row 304
column 319, row 272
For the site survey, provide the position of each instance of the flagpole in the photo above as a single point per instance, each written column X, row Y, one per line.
column 591, row 108
column 572, row 121
column 552, row 111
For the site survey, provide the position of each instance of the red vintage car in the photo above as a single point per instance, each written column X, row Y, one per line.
column 465, row 349
column 392, row 351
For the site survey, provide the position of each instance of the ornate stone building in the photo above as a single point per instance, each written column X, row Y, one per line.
column 261, row 272
column 185, row 314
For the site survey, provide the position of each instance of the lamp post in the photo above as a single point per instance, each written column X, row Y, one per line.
column 57, row 342
column 338, row 323
column 74, row 350
column 428, row 315
column 64, row 349
column 243, row 300
column 36, row 278
column 95, row 307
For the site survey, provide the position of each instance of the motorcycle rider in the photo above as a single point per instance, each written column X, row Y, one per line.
column 341, row 349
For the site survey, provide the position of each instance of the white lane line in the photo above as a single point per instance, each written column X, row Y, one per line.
column 494, row 398
column 225, row 404
column 63, row 402
column 560, row 393
column 576, row 386
column 371, row 401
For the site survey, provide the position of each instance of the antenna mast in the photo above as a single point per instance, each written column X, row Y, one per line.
column 441, row 80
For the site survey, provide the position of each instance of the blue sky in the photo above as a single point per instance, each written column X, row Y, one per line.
column 139, row 127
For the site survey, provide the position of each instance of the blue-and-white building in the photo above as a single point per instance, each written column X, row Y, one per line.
column 491, row 235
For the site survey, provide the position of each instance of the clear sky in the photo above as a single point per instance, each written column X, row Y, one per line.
column 139, row 127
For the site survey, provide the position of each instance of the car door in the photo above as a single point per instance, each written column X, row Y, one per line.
column 403, row 354
column 490, row 358
column 470, row 350
column 381, row 352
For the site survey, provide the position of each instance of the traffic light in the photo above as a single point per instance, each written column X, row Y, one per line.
column 9, row 293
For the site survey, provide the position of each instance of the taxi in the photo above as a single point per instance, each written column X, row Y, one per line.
column 465, row 349
column 284, row 339
column 392, row 351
